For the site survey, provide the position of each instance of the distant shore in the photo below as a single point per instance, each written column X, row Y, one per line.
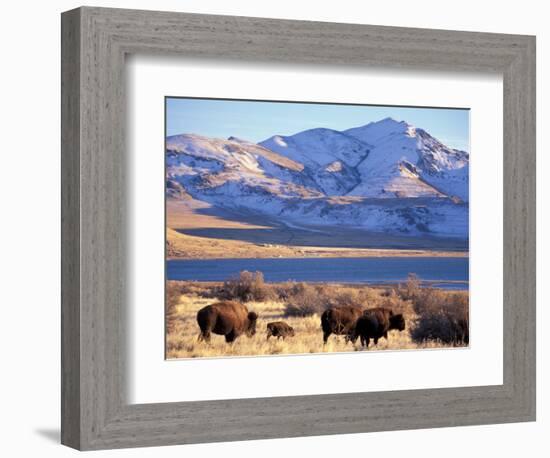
column 183, row 246
column 196, row 232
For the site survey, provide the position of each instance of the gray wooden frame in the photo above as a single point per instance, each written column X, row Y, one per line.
column 95, row 413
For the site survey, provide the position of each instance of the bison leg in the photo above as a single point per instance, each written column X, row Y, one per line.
column 352, row 337
column 204, row 336
column 386, row 335
column 325, row 336
column 365, row 341
column 268, row 335
column 376, row 341
column 230, row 338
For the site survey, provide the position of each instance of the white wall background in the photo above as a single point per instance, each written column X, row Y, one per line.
column 29, row 232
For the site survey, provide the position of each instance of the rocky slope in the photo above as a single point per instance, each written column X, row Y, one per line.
column 384, row 176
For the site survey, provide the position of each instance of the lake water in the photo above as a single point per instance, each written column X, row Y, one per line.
column 448, row 273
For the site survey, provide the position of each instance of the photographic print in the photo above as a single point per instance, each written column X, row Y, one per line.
column 301, row 227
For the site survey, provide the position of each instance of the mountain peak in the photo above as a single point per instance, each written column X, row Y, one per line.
column 389, row 119
column 394, row 123
column 319, row 131
column 237, row 139
column 374, row 132
column 319, row 147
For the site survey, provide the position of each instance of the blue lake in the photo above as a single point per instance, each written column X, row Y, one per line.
column 448, row 273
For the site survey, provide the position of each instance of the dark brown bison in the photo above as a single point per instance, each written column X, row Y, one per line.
column 279, row 329
column 375, row 323
column 227, row 318
column 340, row 321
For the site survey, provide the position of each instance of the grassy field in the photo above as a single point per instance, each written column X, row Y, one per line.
column 431, row 317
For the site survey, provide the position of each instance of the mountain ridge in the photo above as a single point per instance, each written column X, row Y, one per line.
column 386, row 175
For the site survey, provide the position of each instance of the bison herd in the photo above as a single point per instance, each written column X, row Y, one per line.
column 232, row 319
column 366, row 324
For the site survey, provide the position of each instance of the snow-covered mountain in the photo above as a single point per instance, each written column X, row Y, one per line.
column 384, row 176
column 216, row 167
column 390, row 158
column 407, row 161
column 329, row 157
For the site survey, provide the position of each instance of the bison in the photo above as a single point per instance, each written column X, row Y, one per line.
column 375, row 323
column 340, row 321
column 279, row 329
column 227, row 318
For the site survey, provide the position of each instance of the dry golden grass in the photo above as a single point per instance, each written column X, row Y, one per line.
column 183, row 331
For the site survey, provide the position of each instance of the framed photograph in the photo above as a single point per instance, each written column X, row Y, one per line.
column 280, row 228
column 309, row 235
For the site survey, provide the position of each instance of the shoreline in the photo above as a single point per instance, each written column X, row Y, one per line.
column 308, row 253
column 423, row 284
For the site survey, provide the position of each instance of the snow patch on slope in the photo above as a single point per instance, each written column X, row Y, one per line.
column 318, row 147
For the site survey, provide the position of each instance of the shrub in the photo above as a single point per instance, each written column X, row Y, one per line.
column 174, row 290
column 284, row 291
column 305, row 300
column 443, row 327
column 393, row 301
column 337, row 296
column 411, row 288
column 442, row 317
column 248, row 286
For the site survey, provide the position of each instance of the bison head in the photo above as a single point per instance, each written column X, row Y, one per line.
column 251, row 329
column 397, row 322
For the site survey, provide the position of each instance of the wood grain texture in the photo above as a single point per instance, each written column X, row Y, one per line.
column 70, row 229
column 96, row 414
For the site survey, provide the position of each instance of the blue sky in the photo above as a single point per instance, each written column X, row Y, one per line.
column 257, row 121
